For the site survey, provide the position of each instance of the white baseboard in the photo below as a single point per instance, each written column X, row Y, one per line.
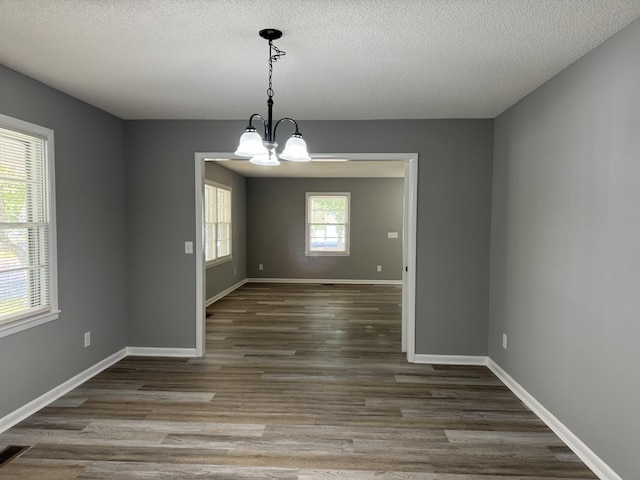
column 52, row 395
column 451, row 359
column 593, row 461
column 224, row 293
column 325, row 281
column 161, row 352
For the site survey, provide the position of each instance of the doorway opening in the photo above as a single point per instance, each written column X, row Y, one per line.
column 409, row 232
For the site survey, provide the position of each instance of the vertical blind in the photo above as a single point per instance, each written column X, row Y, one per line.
column 24, row 226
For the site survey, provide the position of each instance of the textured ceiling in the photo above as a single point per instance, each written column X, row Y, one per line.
column 346, row 59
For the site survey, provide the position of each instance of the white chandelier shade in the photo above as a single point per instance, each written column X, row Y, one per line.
column 295, row 150
column 262, row 150
column 250, row 144
column 268, row 159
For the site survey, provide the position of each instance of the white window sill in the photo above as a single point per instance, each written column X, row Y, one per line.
column 327, row 254
column 219, row 261
column 27, row 323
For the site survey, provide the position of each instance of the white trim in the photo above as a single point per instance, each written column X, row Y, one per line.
column 327, row 254
column 42, row 401
column 27, row 323
column 219, row 186
column 199, row 255
column 218, row 261
column 344, row 281
column 409, row 240
column 451, row 359
column 588, row 456
column 347, row 226
column 161, row 352
column 224, row 293
column 48, row 135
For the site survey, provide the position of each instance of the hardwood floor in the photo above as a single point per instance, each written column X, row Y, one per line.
column 300, row 382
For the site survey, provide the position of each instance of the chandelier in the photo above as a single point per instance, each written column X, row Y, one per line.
column 262, row 149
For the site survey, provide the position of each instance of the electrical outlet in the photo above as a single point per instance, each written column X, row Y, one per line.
column 260, row 266
column 504, row 341
column 379, row 268
column 87, row 339
column 188, row 248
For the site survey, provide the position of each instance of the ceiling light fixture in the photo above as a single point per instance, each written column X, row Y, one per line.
column 262, row 150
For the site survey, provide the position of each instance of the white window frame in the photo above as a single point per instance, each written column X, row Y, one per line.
column 218, row 258
column 20, row 323
column 347, row 225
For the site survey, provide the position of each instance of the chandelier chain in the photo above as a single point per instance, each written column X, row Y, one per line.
column 274, row 55
column 262, row 149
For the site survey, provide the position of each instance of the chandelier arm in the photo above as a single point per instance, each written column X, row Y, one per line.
column 295, row 149
column 264, row 123
column 297, row 132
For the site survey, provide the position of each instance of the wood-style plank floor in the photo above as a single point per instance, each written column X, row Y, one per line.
column 300, row 382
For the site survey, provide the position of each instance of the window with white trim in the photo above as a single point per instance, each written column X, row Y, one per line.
column 217, row 223
column 28, row 278
column 327, row 223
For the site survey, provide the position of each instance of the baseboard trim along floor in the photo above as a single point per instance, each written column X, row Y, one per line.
column 450, row 359
column 52, row 395
column 325, row 281
column 590, row 458
column 224, row 293
column 161, row 352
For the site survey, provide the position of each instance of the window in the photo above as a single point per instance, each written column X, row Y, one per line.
column 28, row 288
column 217, row 223
column 327, row 224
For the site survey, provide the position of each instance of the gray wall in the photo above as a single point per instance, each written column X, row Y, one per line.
column 224, row 275
column 90, row 178
column 128, row 196
column 276, row 229
column 160, row 166
column 454, row 203
column 565, row 256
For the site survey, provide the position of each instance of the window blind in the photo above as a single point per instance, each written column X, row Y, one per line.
column 24, row 226
column 217, row 224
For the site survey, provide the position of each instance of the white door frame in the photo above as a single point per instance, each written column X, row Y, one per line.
column 409, row 234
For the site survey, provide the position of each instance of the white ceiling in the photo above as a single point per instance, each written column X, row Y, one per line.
column 326, row 168
column 346, row 59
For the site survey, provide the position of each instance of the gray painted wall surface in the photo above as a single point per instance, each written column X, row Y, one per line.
column 150, row 300
column 454, row 203
column 276, row 229
column 89, row 158
column 161, row 286
column 565, row 269
column 224, row 275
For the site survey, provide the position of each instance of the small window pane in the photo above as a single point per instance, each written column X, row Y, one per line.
column 327, row 223
column 27, row 266
column 217, row 222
